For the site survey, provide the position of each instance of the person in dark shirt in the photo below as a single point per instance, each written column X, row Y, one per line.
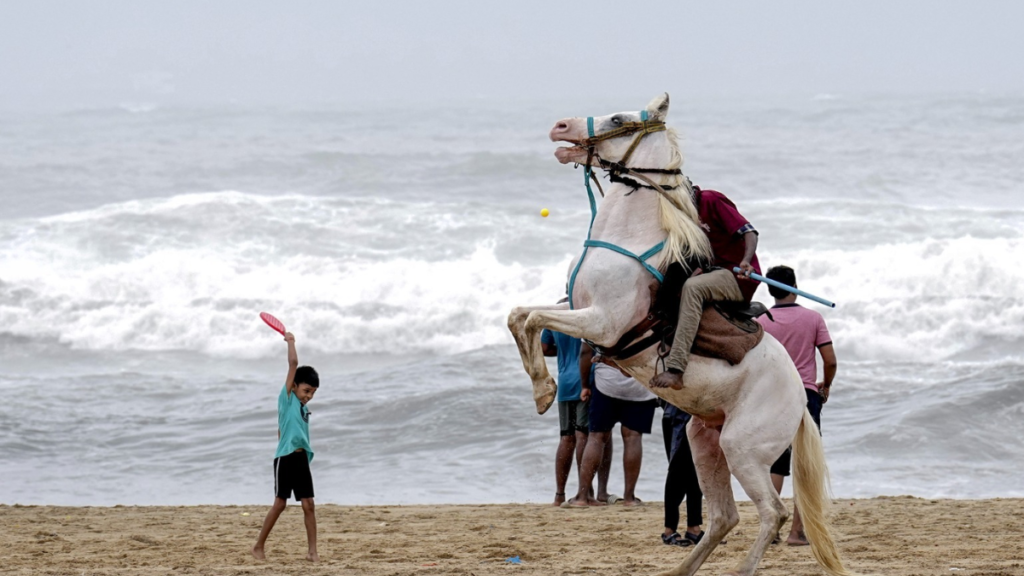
column 681, row 482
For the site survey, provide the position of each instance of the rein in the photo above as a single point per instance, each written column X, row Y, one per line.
column 616, row 170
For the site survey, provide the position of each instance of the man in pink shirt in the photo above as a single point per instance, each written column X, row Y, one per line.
column 801, row 332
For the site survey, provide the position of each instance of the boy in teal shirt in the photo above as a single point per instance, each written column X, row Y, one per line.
column 291, row 462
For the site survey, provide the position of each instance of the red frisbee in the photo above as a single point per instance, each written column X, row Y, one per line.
column 272, row 322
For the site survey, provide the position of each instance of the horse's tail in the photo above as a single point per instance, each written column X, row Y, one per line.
column 811, row 492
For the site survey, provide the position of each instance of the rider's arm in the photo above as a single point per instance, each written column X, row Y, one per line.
column 731, row 219
column 750, row 247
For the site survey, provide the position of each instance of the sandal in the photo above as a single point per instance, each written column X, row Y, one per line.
column 674, row 539
column 695, row 538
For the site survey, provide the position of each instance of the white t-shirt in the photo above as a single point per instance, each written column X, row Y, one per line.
column 613, row 383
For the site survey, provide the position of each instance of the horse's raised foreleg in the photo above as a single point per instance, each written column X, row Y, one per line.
column 589, row 323
column 715, row 482
column 593, row 323
column 544, row 388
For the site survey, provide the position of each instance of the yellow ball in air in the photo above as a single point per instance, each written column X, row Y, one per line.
column 544, row 212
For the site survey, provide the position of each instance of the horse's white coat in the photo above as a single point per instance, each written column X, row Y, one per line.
column 745, row 415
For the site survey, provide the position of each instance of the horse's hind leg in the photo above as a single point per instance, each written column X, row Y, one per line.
column 751, row 465
column 715, row 482
column 544, row 387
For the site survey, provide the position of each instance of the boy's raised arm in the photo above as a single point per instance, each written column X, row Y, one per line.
column 293, row 362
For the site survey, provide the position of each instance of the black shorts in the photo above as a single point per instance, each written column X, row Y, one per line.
column 606, row 412
column 573, row 417
column 291, row 474
column 781, row 466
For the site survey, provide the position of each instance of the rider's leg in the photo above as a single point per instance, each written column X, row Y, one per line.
column 717, row 285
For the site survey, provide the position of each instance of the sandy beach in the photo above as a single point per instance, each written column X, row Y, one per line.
column 898, row 536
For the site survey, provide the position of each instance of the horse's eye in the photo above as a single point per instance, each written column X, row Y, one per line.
column 616, row 120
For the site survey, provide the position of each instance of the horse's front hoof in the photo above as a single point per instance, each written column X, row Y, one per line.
column 544, row 404
column 545, row 396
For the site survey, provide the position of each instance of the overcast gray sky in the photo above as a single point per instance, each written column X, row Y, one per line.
column 97, row 53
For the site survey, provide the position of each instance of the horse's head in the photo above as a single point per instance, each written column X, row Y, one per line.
column 633, row 147
column 616, row 137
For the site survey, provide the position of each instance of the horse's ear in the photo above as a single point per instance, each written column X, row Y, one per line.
column 658, row 108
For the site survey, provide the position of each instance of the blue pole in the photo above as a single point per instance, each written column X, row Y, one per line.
column 787, row 288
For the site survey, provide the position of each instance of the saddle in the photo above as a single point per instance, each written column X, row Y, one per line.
column 727, row 329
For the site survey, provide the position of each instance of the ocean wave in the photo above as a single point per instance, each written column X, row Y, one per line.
column 190, row 272
column 924, row 301
column 207, row 299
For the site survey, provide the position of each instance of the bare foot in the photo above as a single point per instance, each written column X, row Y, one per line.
column 633, row 502
column 559, row 498
column 313, row 557
column 668, row 380
column 258, row 554
column 798, row 539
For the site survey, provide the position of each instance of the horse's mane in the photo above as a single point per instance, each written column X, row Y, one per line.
column 686, row 239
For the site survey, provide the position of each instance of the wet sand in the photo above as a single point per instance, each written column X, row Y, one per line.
column 898, row 536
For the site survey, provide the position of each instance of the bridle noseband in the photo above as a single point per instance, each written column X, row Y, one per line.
column 641, row 129
column 617, row 170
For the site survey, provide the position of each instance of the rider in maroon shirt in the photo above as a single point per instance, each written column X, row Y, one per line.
column 733, row 242
column 727, row 229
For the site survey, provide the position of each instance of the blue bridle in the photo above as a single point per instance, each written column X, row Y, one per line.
column 587, row 176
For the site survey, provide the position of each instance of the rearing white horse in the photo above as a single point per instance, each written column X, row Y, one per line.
column 744, row 416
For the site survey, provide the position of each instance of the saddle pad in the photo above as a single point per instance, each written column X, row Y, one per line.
column 717, row 337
